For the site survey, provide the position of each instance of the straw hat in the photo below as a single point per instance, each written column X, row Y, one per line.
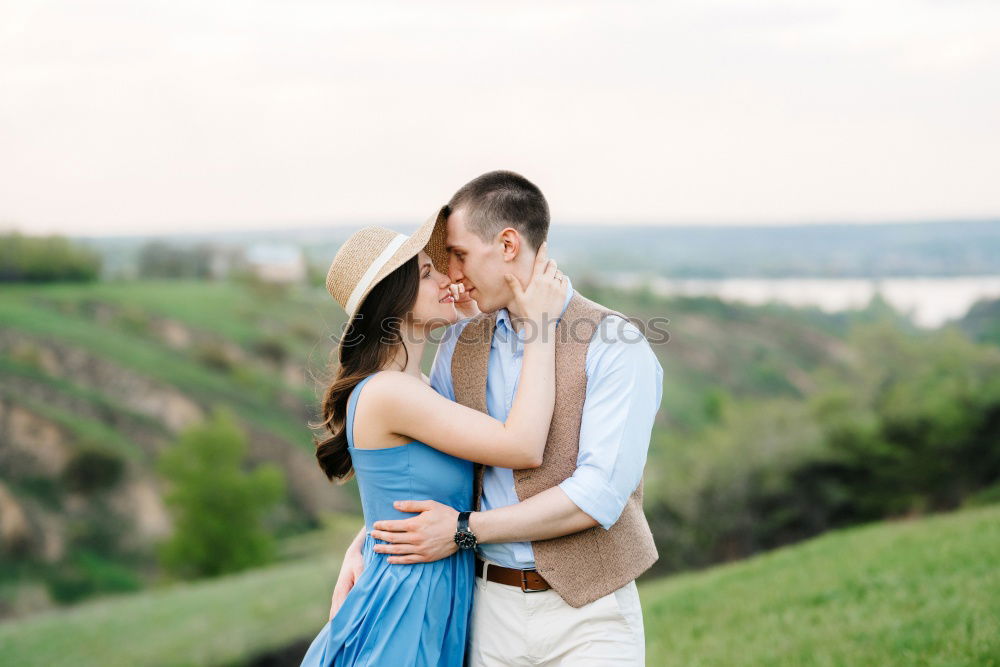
column 372, row 253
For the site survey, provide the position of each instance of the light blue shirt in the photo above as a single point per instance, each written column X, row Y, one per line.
column 624, row 388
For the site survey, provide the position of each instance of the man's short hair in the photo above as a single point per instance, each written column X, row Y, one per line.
column 501, row 199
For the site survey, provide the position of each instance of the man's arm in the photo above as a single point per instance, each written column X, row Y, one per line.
column 429, row 536
column 543, row 516
column 624, row 389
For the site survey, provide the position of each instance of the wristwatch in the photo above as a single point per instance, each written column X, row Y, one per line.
column 464, row 538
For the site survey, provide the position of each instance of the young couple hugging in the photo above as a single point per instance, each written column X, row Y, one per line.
column 502, row 496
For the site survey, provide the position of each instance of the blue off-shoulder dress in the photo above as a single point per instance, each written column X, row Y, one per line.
column 399, row 615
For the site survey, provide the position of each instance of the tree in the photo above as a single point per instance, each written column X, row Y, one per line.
column 158, row 259
column 39, row 259
column 218, row 507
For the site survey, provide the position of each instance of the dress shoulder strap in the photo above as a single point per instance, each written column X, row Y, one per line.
column 352, row 404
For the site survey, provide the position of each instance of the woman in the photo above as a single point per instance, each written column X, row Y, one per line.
column 402, row 440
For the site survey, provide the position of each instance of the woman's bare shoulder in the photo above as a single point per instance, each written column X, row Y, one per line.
column 392, row 385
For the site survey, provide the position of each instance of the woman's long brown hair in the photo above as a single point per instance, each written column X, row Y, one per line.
column 369, row 342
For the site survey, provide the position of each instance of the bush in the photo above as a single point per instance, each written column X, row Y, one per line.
column 45, row 259
column 215, row 356
column 982, row 322
column 217, row 507
column 731, row 491
column 158, row 259
column 271, row 349
column 87, row 573
column 988, row 496
column 917, row 429
column 912, row 428
column 92, row 470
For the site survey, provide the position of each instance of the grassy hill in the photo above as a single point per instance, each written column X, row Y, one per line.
column 215, row 342
column 923, row 591
column 120, row 368
column 113, row 372
column 914, row 592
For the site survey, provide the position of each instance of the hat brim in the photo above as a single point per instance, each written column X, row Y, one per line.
column 436, row 246
column 429, row 237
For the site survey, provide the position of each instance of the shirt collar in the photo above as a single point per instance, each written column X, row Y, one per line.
column 503, row 315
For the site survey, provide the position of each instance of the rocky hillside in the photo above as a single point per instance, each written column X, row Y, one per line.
column 96, row 380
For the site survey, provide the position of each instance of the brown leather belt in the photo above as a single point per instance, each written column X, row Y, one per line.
column 528, row 581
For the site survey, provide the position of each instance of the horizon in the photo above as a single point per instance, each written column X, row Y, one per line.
column 318, row 227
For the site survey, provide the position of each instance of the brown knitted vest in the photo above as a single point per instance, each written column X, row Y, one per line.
column 584, row 566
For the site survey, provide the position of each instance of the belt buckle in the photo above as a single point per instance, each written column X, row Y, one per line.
column 524, row 584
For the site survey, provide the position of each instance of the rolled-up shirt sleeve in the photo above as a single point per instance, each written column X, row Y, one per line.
column 624, row 389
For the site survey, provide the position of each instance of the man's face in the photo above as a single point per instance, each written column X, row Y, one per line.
column 479, row 265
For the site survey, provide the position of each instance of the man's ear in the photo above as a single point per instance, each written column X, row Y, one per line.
column 512, row 243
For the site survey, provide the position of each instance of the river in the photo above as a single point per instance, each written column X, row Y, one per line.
column 929, row 302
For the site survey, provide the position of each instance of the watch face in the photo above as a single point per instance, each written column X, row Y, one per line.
column 465, row 540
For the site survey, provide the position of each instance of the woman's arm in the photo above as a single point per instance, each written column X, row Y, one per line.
column 411, row 408
column 350, row 569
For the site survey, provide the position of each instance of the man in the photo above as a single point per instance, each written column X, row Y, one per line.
column 559, row 546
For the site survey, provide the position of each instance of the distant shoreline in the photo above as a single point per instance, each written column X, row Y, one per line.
column 930, row 301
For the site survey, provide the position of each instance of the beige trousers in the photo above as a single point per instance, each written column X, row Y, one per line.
column 511, row 627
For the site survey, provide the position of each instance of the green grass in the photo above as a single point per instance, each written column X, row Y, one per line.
column 205, row 623
column 922, row 592
column 228, row 309
column 208, row 622
column 255, row 399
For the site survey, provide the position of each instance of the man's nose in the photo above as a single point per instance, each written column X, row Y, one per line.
column 453, row 271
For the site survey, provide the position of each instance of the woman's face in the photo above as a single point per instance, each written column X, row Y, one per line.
column 435, row 306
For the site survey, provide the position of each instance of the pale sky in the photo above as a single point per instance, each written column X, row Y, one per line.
column 134, row 116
